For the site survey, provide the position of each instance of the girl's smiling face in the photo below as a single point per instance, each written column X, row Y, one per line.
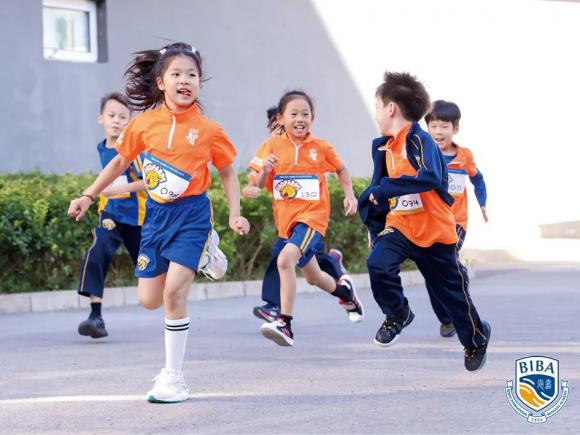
column 180, row 83
column 297, row 118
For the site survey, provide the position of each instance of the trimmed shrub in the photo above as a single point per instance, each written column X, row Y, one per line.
column 42, row 247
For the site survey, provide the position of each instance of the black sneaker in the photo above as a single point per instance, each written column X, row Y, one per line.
column 354, row 307
column 279, row 332
column 390, row 330
column 475, row 358
column 447, row 330
column 93, row 327
column 268, row 312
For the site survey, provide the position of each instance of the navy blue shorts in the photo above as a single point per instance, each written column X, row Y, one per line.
column 177, row 231
column 306, row 239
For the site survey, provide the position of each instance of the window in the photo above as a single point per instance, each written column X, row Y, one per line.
column 70, row 30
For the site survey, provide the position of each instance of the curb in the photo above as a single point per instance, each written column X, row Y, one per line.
column 127, row 296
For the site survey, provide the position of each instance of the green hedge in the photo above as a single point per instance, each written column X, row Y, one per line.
column 41, row 248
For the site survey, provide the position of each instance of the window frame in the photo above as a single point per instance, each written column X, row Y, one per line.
column 88, row 6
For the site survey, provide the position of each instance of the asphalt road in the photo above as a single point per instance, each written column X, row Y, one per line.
column 335, row 380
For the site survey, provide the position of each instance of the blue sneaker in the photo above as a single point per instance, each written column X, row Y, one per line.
column 268, row 312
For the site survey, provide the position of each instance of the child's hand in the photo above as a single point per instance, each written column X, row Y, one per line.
column 484, row 214
column 269, row 163
column 240, row 225
column 373, row 200
column 350, row 205
column 251, row 192
column 79, row 206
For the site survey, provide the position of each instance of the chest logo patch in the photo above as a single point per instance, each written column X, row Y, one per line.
column 192, row 135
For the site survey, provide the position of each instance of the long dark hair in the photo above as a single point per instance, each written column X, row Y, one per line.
column 141, row 75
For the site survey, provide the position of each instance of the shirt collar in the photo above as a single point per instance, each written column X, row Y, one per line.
column 400, row 139
column 191, row 111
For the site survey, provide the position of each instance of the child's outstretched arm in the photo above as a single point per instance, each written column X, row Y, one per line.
column 350, row 202
column 480, row 192
column 232, row 190
column 267, row 168
column 79, row 206
column 251, row 191
column 134, row 186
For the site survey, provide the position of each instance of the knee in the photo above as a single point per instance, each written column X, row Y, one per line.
column 149, row 302
column 285, row 262
column 373, row 263
column 173, row 297
column 313, row 279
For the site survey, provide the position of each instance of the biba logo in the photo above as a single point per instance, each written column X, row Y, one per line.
column 537, row 386
column 288, row 188
column 142, row 262
column 154, row 175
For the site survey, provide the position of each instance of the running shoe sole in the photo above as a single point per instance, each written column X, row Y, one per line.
column 276, row 336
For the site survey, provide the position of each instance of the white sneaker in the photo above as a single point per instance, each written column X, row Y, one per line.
column 168, row 387
column 214, row 264
column 354, row 309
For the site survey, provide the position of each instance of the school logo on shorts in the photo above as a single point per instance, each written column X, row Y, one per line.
column 142, row 262
column 154, row 175
column 288, row 188
column 192, row 135
column 537, row 386
column 108, row 224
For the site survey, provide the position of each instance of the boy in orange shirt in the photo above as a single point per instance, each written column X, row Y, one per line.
column 295, row 169
column 443, row 122
column 410, row 182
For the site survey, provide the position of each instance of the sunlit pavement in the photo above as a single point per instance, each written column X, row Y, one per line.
column 335, row 380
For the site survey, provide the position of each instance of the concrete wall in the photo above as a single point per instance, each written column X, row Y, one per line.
column 254, row 50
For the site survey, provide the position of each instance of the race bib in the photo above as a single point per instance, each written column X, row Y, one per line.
column 406, row 204
column 165, row 183
column 296, row 186
column 457, row 179
column 120, row 181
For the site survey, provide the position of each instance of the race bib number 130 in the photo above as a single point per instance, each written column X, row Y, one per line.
column 296, row 186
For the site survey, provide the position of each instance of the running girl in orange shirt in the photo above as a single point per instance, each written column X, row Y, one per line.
column 178, row 142
column 295, row 168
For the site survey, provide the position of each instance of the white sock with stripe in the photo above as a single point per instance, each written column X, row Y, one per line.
column 176, row 332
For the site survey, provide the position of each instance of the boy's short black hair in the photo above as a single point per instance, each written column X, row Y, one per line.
column 407, row 92
column 118, row 97
column 444, row 111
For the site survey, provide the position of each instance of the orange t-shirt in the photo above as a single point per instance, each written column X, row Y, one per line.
column 461, row 167
column 423, row 218
column 299, row 183
column 178, row 148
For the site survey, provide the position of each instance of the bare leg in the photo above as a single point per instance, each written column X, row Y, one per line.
column 315, row 276
column 177, row 284
column 151, row 291
column 287, row 260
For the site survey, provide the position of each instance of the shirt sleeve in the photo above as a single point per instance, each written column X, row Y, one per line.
column 222, row 150
column 333, row 160
column 471, row 166
column 429, row 175
column 130, row 142
column 257, row 161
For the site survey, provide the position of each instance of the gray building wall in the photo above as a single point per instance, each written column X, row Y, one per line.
column 254, row 50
